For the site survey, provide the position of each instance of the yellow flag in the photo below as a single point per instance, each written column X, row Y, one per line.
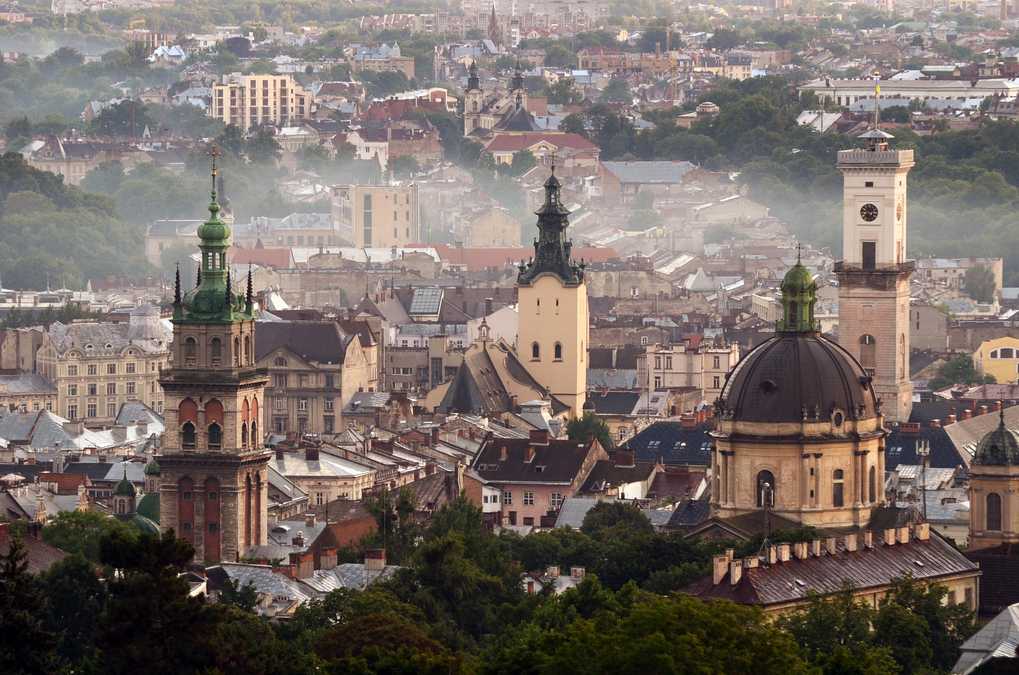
column 877, row 88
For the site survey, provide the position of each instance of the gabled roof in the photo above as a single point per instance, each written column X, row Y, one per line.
column 999, row 638
column 652, row 172
column 672, row 443
column 559, row 462
column 317, row 341
column 515, row 142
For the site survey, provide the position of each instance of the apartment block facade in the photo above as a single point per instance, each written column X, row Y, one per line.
column 253, row 100
column 381, row 216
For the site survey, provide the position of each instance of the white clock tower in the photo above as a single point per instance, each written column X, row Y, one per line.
column 874, row 272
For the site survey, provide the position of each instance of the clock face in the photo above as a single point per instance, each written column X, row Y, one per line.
column 868, row 212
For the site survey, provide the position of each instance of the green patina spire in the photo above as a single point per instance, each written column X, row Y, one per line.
column 212, row 300
column 799, row 295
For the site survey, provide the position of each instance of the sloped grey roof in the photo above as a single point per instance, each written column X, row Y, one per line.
column 574, row 510
column 94, row 337
column 347, row 575
column 999, row 638
column 266, row 581
column 663, row 172
column 25, row 383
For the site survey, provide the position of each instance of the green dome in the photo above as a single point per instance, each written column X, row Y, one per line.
column 145, row 525
column 124, row 488
column 999, row 447
column 799, row 295
column 798, row 280
column 152, row 468
column 148, row 507
column 214, row 231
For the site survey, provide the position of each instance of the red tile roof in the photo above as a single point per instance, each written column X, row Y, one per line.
column 518, row 142
column 477, row 259
column 264, row 257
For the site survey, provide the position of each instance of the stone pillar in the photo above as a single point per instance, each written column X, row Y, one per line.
column 817, row 479
column 804, row 486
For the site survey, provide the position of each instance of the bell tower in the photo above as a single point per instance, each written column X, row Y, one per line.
column 874, row 272
column 473, row 100
column 552, row 337
column 214, row 468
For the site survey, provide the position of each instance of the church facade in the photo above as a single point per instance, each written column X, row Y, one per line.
column 214, row 469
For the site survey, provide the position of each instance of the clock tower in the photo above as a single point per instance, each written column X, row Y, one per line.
column 874, row 272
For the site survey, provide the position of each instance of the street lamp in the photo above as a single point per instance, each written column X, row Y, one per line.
column 923, row 451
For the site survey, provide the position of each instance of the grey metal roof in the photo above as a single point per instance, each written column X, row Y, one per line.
column 999, row 638
column 25, row 383
column 266, row 581
column 347, row 575
column 664, row 172
column 574, row 510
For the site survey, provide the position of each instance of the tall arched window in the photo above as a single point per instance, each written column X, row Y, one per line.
column 558, row 351
column 838, row 488
column 247, row 349
column 244, row 434
column 535, row 351
column 868, row 353
column 215, row 436
column 255, row 441
column 237, row 351
column 765, row 489
column 190, row 348
column 187, row 436
column 993, row 514
column 872, row 484
column 215, row 349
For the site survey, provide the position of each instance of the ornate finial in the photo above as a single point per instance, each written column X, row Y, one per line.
column 799, row 252
column 176, row 287
column 553, row 162
column 249, row 300
column 214, row 153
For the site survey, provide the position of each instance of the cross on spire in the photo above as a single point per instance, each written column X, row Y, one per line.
column 214, row 153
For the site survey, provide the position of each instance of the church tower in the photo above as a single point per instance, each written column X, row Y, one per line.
column 874, row 272
column 994, row 489
column 473, row 100
column 552, row 336
column 214, row 469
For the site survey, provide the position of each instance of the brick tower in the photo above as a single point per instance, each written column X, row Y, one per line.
column 874, row 272
column 214, row 475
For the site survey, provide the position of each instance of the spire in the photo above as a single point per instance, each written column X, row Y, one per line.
column 473, row 82
column 249, row 297
column 229, row 292
column 552, row 248
column 517, row 83
column 799, row 295
column 176, row 287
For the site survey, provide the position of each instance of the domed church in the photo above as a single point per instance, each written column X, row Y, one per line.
column 799, row 432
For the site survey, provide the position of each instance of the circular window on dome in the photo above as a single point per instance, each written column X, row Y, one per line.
column 837, row 418
column 769, row 386
column 868, row 212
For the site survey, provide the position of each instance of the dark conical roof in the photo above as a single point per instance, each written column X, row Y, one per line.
column 999, row 447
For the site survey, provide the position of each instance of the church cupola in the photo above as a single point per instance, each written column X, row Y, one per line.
column 552, row 248
column 517, row 83
column 799, row 296
column 473, row 81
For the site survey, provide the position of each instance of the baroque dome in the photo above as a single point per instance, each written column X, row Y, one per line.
column 999, row 447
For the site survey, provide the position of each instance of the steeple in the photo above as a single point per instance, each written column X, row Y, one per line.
column 473, row 81
column 177, row 305
column 552, row 248
column 799, row 295
column 517, row 83
column 249, row 296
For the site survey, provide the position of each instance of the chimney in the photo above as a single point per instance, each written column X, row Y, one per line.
column 529, row 454
column 983, row 410
column 935, row 423
column 772, row 554
column 967, row 413
column 577, row 573
column 868, row 539
column 800, row 550
column 815, row 548
column 950, row 420
column 503, row 453
column 783, row 552
column 730, row 553
column 889, row 535
column 74, row 427
column 735, row 572
column 307, row 565
column 311, row 453
column 719, row 565
column 831, row 545
column 851, row 542
column 327, row 558
column 902, row 534
column 750, row 562
column 298, row 539
column 923, row 531
column 309, row 519
column 539, row 437
column 552, row 571
column 435, row 436
column 375, row 559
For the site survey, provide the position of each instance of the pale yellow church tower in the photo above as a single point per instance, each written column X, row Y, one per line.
column 874, row 272
column 552, row 337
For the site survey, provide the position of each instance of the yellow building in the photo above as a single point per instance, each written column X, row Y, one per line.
column 493, row 228
column 96, row 367
column 380, row 216
column 553, row 334
column 252, row 100
column 998, row 357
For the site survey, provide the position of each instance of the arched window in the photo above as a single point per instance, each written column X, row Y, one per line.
column 215, row 349
column 993, row 512
column 535, row 351
column 868, row 353
column 280, row 362
column 247, row 349
column 215, row 436
column 190, row 348
column 994, row 353
column 838, row 487
column 187, row 436
column 872, row 484
column 237, row 351
column 765, row 489
column 255, row 441
column 558, row 351
column 1007, row 353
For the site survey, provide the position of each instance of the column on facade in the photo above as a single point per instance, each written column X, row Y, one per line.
column 804, row 485
column 198, row 521
column 817, row 479
column 731, row 475
column 258, row 509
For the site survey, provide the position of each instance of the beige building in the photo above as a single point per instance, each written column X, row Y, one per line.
column 96, row 367
column 874, row 273
column 314, row 369
column 553, row 311
column 994, row 481
column 252, row 100
column 492, row 228
column 674, row 366
column 380, row 216
column 27, row 392
column 19, row 347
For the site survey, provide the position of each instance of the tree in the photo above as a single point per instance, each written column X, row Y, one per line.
column 607, row 516
column 75, row 597
column 979, row 283
column 25, row 644
column 127, row 118
column 404, row 167
column 723, row 40
column 242, row 597
column 231, row 140
column 589, row 426
column 958, row 370
column 81, row 532
column 562, row 92
column 105, row 178
column 617, row 91
column 574, row 123
column 262, row 148
column 523, row 161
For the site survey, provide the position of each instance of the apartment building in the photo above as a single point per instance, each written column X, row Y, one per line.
column 253, row 100
column 96, row 367
column 704, row 367
column 380, row 216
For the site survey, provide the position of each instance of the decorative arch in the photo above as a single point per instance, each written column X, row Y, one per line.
column 214, row 411
column 992, row 513
column 187, row 418
column 190, row 348
column 766, row 489
column 255, row 440
column 245, row 410
column 215, row 436
column 247, row 350
column 237, row 351
column 244, row 434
